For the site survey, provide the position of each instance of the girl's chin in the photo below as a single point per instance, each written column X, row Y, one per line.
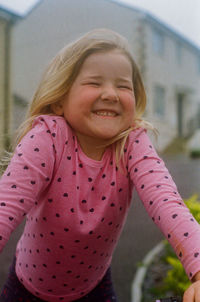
column 107, row 135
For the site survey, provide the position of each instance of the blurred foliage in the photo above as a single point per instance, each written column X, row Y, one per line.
column 195, row 153
column 177, row 146
column 176, row 281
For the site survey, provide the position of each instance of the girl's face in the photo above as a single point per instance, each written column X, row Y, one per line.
column 101, row 101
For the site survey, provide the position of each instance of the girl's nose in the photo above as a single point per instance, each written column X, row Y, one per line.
column 110, row 94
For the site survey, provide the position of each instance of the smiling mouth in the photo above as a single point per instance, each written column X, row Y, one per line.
column 106, row 113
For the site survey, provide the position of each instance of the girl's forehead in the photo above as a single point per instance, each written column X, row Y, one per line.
column 111, row 54
column 113, row 60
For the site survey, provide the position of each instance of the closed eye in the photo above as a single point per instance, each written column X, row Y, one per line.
column 125, row 87
column 91, row 83
column 94, row 83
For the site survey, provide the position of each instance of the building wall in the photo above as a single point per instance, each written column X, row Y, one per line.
column 6, row 23
column 2, row 80
column 51, row 26
column 178, row 75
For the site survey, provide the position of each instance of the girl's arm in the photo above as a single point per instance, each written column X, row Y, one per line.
column 28, row 174
column 162, row 201
column 196, row 277
column 193, row 292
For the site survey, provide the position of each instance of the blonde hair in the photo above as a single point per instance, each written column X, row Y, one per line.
column 63, row 70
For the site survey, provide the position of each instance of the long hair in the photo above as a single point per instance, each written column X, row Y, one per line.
column 64, row 68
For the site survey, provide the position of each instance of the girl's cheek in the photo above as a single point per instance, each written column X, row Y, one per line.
column 127, row 97
column 131, row 102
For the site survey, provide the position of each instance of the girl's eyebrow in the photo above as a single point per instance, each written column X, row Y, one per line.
column 100, row 77
column 97, row 77
column 124, row 80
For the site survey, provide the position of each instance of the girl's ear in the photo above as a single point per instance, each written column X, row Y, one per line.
column 57, row 108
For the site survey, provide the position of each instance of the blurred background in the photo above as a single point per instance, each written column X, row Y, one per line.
column 164, row 37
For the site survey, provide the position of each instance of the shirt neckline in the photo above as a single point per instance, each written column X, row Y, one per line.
column 89, row 161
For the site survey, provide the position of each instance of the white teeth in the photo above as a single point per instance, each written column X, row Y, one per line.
column 105, row 113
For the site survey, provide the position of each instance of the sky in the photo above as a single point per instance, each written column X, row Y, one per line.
column 181, row 15
column 20, row 7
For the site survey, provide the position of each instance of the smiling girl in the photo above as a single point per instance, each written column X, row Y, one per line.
column 80, row 153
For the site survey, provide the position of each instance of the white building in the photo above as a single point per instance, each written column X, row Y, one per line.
column 169, row 63
column 7, row 21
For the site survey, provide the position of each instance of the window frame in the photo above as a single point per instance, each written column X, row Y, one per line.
column 159, row 101
column 158, row 41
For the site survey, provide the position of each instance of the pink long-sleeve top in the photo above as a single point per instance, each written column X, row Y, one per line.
column 76, row 207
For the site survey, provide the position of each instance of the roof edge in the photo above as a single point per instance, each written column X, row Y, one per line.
column 18, row 16
column 9, row 14
column 170, row 30
column 157, row 21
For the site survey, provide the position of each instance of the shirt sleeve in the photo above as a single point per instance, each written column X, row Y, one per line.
column 27, row 176
column 162, row 201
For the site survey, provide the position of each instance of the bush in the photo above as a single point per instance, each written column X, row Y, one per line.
column 195, row 153
column 176, row 281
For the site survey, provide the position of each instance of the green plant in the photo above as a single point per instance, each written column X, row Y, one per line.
column 194, row 206
column 195, row 153
column 176, row 280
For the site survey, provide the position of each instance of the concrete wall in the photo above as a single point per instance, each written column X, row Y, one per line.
column 5, row 83
column 176, row 76
column 2, row 80
column 54, row 23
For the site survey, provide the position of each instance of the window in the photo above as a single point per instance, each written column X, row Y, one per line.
column 198, row 116
column 198, row 65
column 179, row 53
column 159, row 101
column 158, row 42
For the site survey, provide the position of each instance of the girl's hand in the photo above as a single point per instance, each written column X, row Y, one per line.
column 192, row 294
